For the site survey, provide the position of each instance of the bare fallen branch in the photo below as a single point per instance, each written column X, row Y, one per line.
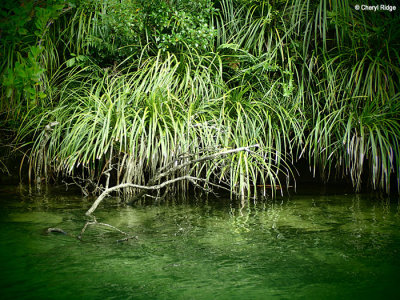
column 163, row 173
column 152, row 183
column 204, row 158
column 151, row 186
column 137, row 186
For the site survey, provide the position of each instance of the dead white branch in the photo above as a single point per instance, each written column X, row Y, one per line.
column 137, row 186
column 174, row 166
column 151, row 184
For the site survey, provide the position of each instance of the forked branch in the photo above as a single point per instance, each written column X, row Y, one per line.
column 152, row 182
column 137, row 186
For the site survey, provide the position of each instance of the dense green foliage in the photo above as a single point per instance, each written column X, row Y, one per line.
column 137, row 84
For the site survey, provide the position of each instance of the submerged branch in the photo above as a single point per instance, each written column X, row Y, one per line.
column 94, row 222
column 56, row 230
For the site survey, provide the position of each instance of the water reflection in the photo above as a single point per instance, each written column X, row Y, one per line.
column 315, row 213
column 299, row 247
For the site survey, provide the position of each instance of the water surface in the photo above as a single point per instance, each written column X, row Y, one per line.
column 302, row 247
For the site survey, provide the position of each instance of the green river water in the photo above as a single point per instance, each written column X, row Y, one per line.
column 301, row 247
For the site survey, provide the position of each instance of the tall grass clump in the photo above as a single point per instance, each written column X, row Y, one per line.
column 140, row 121
column 351, row 77
column 135, row 86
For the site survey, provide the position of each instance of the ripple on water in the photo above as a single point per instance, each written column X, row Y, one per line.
column 305, row 247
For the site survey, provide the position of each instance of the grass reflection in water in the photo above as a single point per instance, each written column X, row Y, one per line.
column 303, row 247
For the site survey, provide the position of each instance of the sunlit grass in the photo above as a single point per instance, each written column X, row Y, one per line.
column 294, row 77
